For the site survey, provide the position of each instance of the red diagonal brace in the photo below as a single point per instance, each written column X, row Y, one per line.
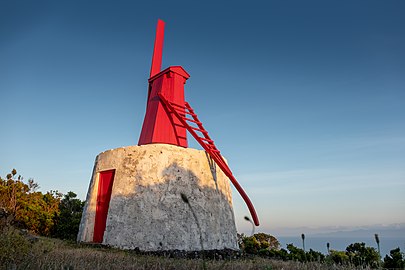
column 214, row 153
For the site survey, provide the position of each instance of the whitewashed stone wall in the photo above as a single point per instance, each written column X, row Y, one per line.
column 146, row 210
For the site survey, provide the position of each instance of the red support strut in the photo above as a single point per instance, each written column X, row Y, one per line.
column 166, row 114
column 208, row 144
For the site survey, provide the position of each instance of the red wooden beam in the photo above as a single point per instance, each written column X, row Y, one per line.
column 158, row 49
column 214, row 153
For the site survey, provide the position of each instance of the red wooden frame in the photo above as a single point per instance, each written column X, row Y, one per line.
column 166, row 110
column 208, row 144
column 105, row 183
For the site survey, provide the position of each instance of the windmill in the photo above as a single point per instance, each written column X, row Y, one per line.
column 133, row 194
column 168, row 115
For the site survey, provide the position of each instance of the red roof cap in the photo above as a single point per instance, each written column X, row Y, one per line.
column 176, row 69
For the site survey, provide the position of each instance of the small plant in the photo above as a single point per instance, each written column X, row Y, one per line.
column 295, row 253
column 338, row 257
column 396, row 259
column 14, row 247
column 303, row 246
column 303, row 241
column 361, row 255
column 377, row 240
column 260, row 243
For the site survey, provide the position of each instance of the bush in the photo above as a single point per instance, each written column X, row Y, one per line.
column 315, row 256
column 395, row 259
column 360, row 255
column 259, row 243
column 339, row 257
column 14, row 247
column 251, row 245
column 27, row 208
column 296, row 254
column 42, row 214
column 281, row 254
column 68, row 221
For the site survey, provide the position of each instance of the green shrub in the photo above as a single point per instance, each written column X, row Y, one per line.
column 315, row 256
column 281, row 254
column 68, row 220
column 28, row 208
column 296, row 254
column 395, row 259
column 258, row 243
column 339, row 257
column 14, row 247
column 360, row 255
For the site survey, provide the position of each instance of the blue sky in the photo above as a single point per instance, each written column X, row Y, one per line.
column 306, row 99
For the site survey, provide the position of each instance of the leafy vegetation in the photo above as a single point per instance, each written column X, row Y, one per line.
column 19, row 252
column 45, row 214
column 69, row 216
column 258, row 243
column 28, row 208
column 360, row 255
column 338, row 257
column 356, row 255
column 395, row 260
column 26, row 213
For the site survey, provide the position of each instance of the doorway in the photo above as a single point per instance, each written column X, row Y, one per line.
column 105, row 184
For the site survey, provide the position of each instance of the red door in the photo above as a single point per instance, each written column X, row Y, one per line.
column 105, row 183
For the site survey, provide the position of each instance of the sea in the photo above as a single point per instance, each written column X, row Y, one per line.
column 319, row 243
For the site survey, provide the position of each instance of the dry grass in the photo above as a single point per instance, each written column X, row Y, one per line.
column 17, row 252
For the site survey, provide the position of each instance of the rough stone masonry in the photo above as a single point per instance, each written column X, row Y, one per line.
column 146, row 210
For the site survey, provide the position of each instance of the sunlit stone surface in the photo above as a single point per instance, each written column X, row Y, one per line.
column 146, row 210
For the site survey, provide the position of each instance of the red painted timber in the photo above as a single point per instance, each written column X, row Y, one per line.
column 159, row 125
column 105, row 183
column 210, row 148
column 166, row 110
column 157, row 49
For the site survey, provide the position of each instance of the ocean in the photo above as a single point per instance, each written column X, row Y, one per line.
column 318, row 243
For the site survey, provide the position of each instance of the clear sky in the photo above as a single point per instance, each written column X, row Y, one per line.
column 306, row 99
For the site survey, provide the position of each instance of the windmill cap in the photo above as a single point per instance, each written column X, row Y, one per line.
column 175, row 69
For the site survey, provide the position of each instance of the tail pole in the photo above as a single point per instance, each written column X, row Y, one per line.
column 181, row 112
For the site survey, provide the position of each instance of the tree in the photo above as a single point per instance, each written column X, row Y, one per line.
column 259, row 242
column 395, row 259
column 251, row 245
column 11, row 189
column 68, row 220
column 296, row 254
column 339, row 257
column 314, row 256
column 37, row 211
column 360, row 255
column 267, row 241
column 28, row 208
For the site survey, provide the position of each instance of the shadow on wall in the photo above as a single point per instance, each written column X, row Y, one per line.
column 213, row 168
column 152, row 215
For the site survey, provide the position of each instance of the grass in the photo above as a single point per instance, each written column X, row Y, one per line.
column 17, row 251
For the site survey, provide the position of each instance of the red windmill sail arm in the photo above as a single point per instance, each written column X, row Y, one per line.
column 207, row 143
column 158, row 49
